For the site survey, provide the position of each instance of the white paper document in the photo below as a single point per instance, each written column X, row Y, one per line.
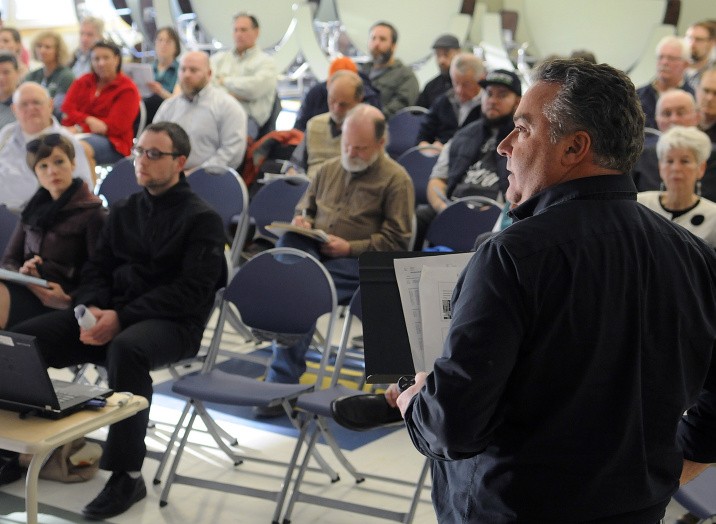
column 427, row 330
column 140, row 74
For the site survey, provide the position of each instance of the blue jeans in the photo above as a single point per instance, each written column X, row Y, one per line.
column 104, row 151
column 289, row 363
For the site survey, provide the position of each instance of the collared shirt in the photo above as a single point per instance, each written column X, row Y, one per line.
column 580, row 334
column 372, row 209
column 81, row 64
column 57, row 83
column 168, row 77
column 17, row 180
column 397, row 84
column 6, row 114
column 250, row 77
column 465, row 108
column 215, row 122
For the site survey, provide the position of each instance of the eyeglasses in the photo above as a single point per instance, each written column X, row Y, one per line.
column 50, row 140
column 152, row 154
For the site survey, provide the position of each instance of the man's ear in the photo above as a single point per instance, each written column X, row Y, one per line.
column 577, row 146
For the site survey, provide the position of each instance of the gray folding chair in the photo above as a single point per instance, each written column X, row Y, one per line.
column 317, row 405
column 698, row 497
column 281, row 291
column 458, row 225
column 8, row 223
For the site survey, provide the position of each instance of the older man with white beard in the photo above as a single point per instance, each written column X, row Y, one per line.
column 364, row 201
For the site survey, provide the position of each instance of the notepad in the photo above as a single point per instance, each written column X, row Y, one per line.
column 280, row 228
column 19, row 278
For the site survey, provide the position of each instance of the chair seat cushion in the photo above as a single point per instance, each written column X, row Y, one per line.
column 319, row 402
column 228, row 388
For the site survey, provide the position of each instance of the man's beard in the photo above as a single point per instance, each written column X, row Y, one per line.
column 356, row 165
column 499, row 121
column 191, row 91
column 381, row 59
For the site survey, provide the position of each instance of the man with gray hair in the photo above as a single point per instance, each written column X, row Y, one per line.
column 91, row 30
column 459, row 106
column 32, row 107
column 580, row 334
column 364, row 201
column 672, row 59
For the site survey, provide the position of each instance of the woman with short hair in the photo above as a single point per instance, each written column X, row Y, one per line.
column 682, row 153
column 57, row 233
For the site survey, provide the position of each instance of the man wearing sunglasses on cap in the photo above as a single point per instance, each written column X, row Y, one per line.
column 150, row 285
column 32, row 107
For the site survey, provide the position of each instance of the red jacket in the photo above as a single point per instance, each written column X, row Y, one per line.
column 117, row 105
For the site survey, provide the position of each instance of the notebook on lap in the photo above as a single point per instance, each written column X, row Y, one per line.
column 26, row 387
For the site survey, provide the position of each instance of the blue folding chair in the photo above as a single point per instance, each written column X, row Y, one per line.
column 8, row 223
column 403, row 128
column 458, row 225
column 418, row 161
column 698, row 497
column 276, row 201
column 281, row 291
column 224, row 190
column 317, row 405
column 119, row 182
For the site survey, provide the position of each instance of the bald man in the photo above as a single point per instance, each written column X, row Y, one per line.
column 32, row 107
column 215, row 121
column 322, row 140
column 364, row 201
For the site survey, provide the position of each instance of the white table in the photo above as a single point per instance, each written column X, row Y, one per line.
column 39, row 437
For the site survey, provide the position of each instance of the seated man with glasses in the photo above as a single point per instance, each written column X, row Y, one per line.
column 150, row 284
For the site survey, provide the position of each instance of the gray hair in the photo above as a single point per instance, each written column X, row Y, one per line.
column 680, row 137
column 675, row 41
column 95, row 22
column 24, row 86
column 599, row 100
column 465, row 63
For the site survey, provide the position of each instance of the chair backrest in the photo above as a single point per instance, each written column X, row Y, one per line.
column 403, row 128
column 276, row 201
column 8, row 223
column 118, row 183
column 459, row 224
column 355, row 310
column 418, row 161
column 284, row 290
column 222, row 188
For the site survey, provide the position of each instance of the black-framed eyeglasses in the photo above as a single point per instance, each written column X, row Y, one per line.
column 50, row 140
column 152, row 154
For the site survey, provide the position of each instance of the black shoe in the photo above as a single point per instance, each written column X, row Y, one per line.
column 268, row 412
column 688, row 518
column 363, row 412
column 118, row 495
column 9, row 467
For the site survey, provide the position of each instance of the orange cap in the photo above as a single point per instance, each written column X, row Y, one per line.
column 342, row 62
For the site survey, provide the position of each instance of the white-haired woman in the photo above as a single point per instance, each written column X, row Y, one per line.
column 682, row 154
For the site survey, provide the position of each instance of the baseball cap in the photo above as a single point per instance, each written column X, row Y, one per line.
column 503, row 77
column 446, row 42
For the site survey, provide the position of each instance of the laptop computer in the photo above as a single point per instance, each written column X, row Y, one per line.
column 26, row 387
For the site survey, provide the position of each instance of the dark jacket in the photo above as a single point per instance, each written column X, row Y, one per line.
column 158, row 257
column 441, row 121
column 433, row 89
column 465, row 151
column 569, row 362
column 66, row 245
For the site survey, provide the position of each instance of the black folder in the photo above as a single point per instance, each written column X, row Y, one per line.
column 385, row 338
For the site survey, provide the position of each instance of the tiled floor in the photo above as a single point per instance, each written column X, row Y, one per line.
column 392, row 455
